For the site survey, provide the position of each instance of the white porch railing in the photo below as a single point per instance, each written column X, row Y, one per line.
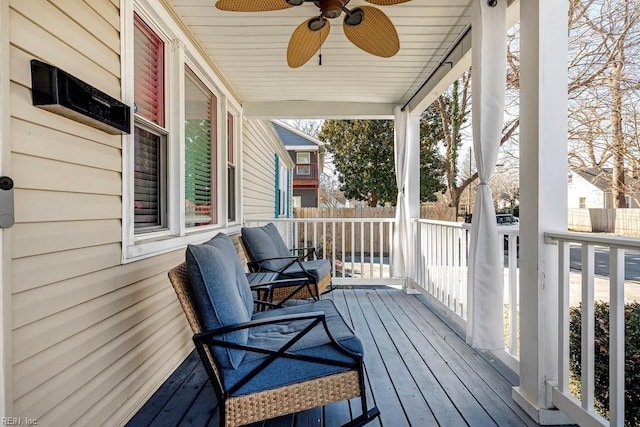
column 360, row 249
column 582, row 410
column 442, row 251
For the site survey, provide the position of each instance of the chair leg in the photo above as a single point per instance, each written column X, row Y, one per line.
column 328, row 289
column 364, row 419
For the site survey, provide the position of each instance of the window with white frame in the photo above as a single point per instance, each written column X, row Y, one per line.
column 582, row 202
column 303, row 158
column 282, row 184
column 284, row 190
column 150, row 132
column 200, row 152
column 231, row 167
column 174, row 161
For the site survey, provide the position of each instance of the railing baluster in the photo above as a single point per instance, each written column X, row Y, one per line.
column 370, row 248
column 456, row 268
column 324, row 237
column 587, row 353
column 333, row 248
column 315, row 234
column 353, row 246
column 616, row 337
column 361, row 248
column 343, row 238
column 563, row 316
column 381, row 253
column 513, row 295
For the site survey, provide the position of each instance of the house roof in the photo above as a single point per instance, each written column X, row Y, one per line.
column 293, row 139
column 602, row 178
column 249, row 52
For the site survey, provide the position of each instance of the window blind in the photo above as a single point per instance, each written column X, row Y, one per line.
column 148, row 73
column 199, row 155
column 147, row 179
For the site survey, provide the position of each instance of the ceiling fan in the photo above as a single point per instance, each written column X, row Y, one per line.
column 367, row 27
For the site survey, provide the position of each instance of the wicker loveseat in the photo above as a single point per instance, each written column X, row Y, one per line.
column 266, row 251
column 270, row 363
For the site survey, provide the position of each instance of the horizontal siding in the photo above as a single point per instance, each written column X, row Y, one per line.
column 31, row 239
column 259, row 148
column 91, row 338
column 39, row 43
column 28, row 140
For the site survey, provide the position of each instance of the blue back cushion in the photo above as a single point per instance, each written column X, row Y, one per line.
column 225, row 245
column 217, row 297
column 266, row 242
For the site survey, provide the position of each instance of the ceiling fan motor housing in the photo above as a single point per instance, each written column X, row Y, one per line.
column 332, row 8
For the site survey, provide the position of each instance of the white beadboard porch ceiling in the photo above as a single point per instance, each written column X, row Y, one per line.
column 249, row 49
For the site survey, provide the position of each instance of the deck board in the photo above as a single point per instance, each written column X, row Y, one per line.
column 419, row 372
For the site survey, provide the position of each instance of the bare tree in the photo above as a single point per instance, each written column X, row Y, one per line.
column 309, row 126
column 454, row 107
column 603, row 70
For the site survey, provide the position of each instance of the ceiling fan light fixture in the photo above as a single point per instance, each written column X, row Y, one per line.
column 317, row 23
column 354, row 17
column 332, row 8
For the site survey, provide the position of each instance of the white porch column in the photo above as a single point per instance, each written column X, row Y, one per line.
column 543, row 197
column 412, row 188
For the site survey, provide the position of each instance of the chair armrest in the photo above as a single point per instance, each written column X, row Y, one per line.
column 311, row 251
column 256, row 266
column 312, row 315
column 282, row 283
column 315, row 318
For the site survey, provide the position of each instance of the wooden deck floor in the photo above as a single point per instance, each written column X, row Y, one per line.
column 420, row 373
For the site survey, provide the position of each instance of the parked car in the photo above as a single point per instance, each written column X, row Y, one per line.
column 506, row 219
column 502, row 219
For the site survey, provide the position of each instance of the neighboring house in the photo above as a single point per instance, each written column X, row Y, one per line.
column 273, row 172
column 305, row 152
column 592, row 188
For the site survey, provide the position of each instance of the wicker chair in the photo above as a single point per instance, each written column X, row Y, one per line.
column 319, row 360
column 266, row 251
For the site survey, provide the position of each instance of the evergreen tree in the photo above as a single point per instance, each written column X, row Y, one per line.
column 363, row 155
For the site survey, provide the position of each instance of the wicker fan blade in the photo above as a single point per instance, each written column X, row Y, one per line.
column 375, row 33
column 252, row 5
column 304, row 43
column 386, row 2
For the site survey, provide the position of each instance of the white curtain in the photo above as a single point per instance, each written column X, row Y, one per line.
column 400, row 238
column 485, row 329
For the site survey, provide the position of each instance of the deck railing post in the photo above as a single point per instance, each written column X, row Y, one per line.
column 543, row 198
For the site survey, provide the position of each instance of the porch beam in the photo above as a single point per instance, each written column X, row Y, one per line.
column 316, row 110
column 543, row 199
column 457, row 61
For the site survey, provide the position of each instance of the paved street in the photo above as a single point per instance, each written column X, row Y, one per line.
column 632, row 275
column 632, row 262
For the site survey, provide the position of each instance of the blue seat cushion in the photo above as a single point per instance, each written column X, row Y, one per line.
column 318, row 268
column 214, row 287
column 283, row 371
column 266, row 242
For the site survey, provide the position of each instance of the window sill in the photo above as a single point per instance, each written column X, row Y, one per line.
column 148, row 246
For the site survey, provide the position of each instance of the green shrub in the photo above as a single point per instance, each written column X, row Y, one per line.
column 601, row 360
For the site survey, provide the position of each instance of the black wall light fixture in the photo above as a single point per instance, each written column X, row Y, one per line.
column 59, row 92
